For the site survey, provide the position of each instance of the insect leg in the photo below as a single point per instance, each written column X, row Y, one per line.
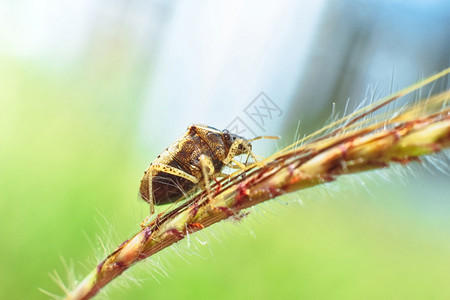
column 169, row 170
column 238, row 163
column 166, row 169
column 173, row 171
column 150, row 201
column 208, row 171
column 150, row 191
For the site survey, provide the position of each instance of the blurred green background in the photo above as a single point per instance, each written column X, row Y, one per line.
column 92, row 92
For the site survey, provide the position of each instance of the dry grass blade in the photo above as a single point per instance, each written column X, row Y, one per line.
column 363, row 143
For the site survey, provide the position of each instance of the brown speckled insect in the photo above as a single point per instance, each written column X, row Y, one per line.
column 192, row 161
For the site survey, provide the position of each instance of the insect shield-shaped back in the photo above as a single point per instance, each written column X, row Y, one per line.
column 217, row 148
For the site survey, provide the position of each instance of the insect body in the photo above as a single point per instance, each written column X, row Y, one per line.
column 191, row 161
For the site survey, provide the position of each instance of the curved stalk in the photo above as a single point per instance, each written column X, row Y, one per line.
column 356, row 147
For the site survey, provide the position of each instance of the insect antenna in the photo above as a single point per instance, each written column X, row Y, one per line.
column 269, row 137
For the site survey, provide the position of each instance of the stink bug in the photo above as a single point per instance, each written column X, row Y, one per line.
column 198, row 156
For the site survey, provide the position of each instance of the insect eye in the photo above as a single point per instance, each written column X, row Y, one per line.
column 226, row 134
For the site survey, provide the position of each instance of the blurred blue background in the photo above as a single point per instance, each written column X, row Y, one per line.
column 92, row 91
